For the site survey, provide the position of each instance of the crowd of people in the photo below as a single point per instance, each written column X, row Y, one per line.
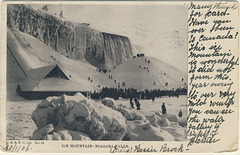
column 134, row 96
column 128, row 93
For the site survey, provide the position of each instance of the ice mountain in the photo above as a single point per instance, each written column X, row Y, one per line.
column 73, row 40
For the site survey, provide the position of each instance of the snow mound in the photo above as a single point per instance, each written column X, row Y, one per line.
column 44, row 113
column 109, row 102
column 41, row 132
column 128, row 113
column 78, row 114
column 177, row 131
column 159, row 121
column 67, row 135
column 171, row 118
column 49, row 133
column 143, row 131
column 183, row 121
column 131, row 114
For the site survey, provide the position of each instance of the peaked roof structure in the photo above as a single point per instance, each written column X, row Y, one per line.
column 56, row 72
column 51, row 78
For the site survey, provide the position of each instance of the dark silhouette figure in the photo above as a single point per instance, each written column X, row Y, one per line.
column 164, row 111
column 153, row 98
column 61, row 14
column 137, row 103
column 180, row 114
column 131, row 102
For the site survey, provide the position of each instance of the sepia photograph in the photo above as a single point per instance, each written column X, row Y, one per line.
column 92, row 72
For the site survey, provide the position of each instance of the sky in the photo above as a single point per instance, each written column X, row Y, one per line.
column 158, row 30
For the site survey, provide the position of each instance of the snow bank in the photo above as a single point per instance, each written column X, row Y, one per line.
column 44, row 113
column 77, row 117
column 109, row 102
column 173, row 128
column 183, row 121
column 159, row 127
column 67, row 135
column 41, row 132
column 177, row 132
column 144, row 131
column 128, row 113
column 159, row 121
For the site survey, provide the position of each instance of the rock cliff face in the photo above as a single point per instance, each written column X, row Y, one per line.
column 74, row 40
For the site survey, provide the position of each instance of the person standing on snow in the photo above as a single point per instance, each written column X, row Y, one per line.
column 131, row 102
column 180, row 114
column 137, row 103
column 164, row 111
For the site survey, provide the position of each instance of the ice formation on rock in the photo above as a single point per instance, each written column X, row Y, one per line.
column 78, row 118
column 76, row 113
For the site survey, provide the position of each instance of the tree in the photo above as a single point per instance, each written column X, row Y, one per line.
column 45, row 7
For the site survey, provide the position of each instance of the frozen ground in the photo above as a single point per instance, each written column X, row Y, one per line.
column 20, row 125
column 173, row 105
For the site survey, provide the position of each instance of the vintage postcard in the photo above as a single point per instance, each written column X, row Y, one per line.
column 119, row 77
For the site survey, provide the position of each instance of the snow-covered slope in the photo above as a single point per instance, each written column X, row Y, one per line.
column 145, row 73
